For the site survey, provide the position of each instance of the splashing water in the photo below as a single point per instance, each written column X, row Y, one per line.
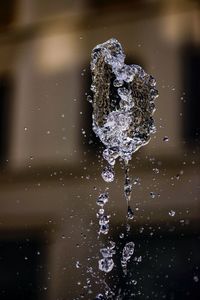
column 122, row 113
column 123, row 106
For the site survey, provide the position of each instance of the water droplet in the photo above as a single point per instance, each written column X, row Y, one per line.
column 130, row 214
column 117, row 83
column 111, row 244
column 121, row 235
column 153, row 195
column 127, row 189
column 78, row 265
column 156, row 170
column 101, row 211
column 102, row 199
column 107, row 252
column 108, row 174
column 196, row 278
column 128, row 227
column 141, row 229
column 89, row 99
column 127, row 252
column 165, row 139
column 134, row 282
column 172, row 213
column 106, row 264
column 100, row 297
column 104, row 220
column 138, row 259
column 104, row 228
column 110, row 156
column 136, row 181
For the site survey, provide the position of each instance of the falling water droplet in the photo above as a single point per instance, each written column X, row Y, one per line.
column 106, row 264
column 156, row 170
column 102, row 199
column 130, row 214
column 127, row 252
column 172, row 213
column 136, row 181
column 165, row 139
column 121, row 235
column 108, row 174
column 100, row 297
column 104, row 228
column 78, row 265
column 153, row 195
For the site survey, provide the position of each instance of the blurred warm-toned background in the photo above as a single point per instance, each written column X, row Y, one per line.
column 49, row 158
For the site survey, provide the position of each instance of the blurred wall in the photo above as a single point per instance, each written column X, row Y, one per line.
column 48, row 173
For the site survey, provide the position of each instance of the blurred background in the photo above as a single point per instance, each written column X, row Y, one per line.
column 50, row 161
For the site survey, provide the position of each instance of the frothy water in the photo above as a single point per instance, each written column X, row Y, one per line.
column 123, row 106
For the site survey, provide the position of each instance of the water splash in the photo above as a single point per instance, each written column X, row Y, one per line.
column 123, row 108
column 122, row 113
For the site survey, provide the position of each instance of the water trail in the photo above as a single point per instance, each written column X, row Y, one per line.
column 123, row 106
